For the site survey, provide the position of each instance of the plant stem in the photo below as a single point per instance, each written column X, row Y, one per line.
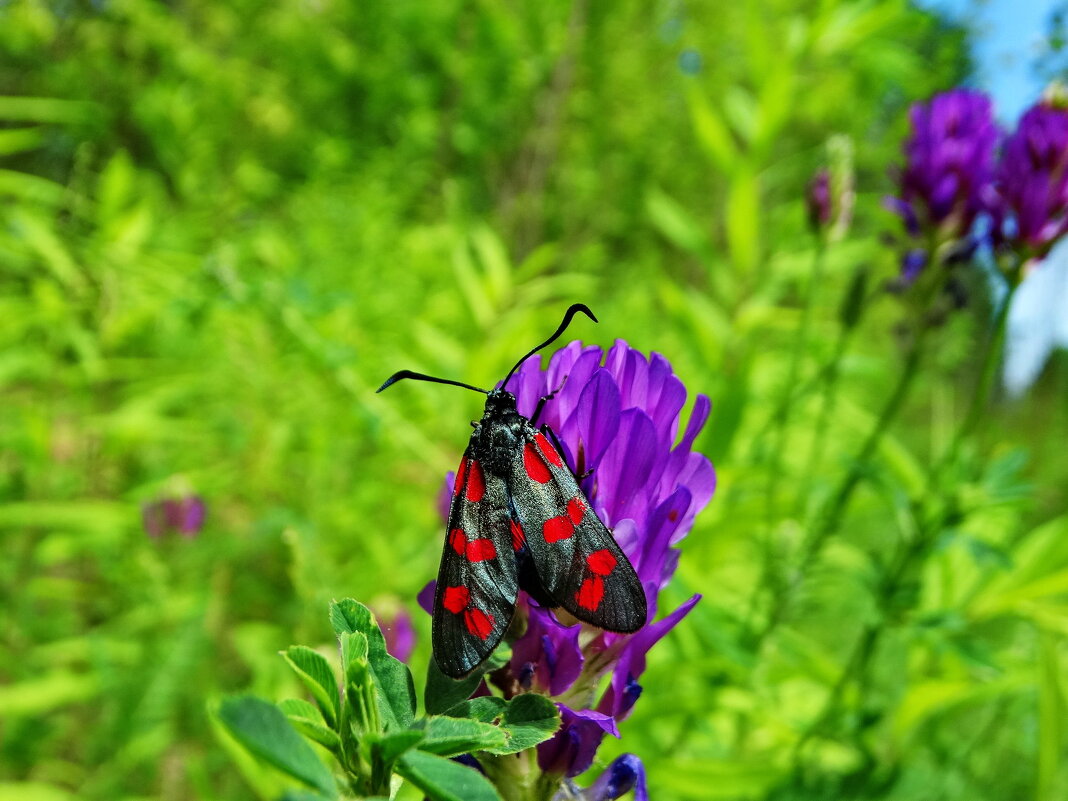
column 864, row 649
column 831, row 517
column 781, row 420
column 781, row 416
column 987, row 373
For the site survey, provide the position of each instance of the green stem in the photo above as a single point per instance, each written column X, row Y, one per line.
column 831, row 517
column 782, row 418
column 826, row 408
column 864, row 649
column 987, row 374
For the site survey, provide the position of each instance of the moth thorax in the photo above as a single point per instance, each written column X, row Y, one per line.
column 501, row 438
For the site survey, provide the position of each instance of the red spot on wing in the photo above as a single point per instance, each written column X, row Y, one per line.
column 455, row 599
column 535, row 465
column 478, row 623
column 461, row 471
column 481, row 550
column 591, row 593
column 458, row 540
column 476, row 483
column 576, row 509
column 673, row 515
column 548, row 450
column 519, row 539
column 557, row 528
column 601, row 562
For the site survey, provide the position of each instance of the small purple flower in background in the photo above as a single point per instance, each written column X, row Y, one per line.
column 818, row 199
column 948, row 178
column 617, row 415
column 830, row 195
column 399, row 633
column 184, row 516
column 1033, row 181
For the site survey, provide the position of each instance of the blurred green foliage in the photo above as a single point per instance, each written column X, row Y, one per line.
column 223, row 224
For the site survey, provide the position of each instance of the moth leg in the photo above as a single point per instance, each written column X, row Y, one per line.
column 543, row 400
column 555, row 440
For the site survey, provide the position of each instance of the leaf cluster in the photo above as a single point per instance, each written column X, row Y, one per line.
column 370, row 727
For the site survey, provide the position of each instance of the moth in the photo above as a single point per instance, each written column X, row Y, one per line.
column 518, row 520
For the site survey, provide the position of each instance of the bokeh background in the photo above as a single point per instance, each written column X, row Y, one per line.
column 224, row 224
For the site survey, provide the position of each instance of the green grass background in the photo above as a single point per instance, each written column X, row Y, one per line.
column 222, row 225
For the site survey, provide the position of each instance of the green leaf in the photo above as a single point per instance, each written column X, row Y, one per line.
column 486, row 708
column 317, row 675
column 394, row 687
column 525, row 721
column 299, row 708
column 528, row 720
column 443, row 693
column 743, row 220
column 676, row 223
column 303, row 795
column 1051, row 728
column 712, row 133
column 33, row 791
column 451, row 736
column 263, row 729
column 353, row 649
column 389, row 747
column 307, row 719
column 444, row 780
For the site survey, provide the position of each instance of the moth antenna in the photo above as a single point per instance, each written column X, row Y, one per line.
column 393, row 379
column 572, row 310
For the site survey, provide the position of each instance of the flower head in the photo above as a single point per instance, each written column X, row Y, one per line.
column 182, row 515
column 830, row 194
column 947, row 181
column 818, row 199
column 1033, row 180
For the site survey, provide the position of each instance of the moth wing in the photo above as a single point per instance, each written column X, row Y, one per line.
column 477, row 581
column 578, row 561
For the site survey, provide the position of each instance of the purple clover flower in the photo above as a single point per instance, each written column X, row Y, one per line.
column 1033, row 180
column 617, row 415
column 818, row 200
column 948, row 178
column 626, row 773
column 399, row 633
column 182, row 515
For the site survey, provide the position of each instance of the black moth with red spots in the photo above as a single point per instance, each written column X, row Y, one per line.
column 519, row 520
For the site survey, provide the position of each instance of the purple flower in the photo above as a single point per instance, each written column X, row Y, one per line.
column 948, row 178
column 572, row 749
column 184, row 516
column 399, row 633
column 626, row 773
column 818, row 200
column 617, row 415
column 547, row 658
column 1033, row 180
